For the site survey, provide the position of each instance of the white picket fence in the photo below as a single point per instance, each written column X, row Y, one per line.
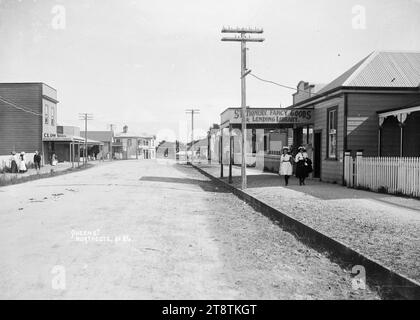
column 386, row 174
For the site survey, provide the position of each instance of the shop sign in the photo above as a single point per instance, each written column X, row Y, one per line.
column 268, row 116
column 49, row 135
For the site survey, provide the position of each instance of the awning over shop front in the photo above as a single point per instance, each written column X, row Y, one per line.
column 408, row 119
column 400, row 114
column 73, row 139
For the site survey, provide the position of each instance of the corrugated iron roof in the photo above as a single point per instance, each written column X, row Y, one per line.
column 388, row 69
column 103, row 136
column 381, row 69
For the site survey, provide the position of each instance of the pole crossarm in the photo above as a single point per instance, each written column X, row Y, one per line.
column 238, row 39
column 242, row 30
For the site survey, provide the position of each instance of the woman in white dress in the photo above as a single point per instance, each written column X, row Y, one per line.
column 286, row 168
column 22, row 163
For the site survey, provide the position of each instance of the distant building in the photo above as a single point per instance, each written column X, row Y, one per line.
column 166, row 150
column 200, row 149
column 106, row 138
column 126, row 144
column 306, row 90
column 147, row 147
column 213, row 152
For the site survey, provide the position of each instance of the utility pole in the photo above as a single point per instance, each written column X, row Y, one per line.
column 85, row 117
column 112, row 140
column 192, row 112
column 243, row 39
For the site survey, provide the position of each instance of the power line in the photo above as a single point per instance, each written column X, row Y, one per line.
column 277, row 84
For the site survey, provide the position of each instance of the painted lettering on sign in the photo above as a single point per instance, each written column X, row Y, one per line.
column 50, row 135
column 265, row 116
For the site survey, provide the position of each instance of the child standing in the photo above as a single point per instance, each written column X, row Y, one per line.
column 286, row 168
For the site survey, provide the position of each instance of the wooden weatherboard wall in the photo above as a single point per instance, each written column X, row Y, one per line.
column 363, row 122
column 19, row 130
column 331, row 169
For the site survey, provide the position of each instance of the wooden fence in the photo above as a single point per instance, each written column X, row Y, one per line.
column 384, row 174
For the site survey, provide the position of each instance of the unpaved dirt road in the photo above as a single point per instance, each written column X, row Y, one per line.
column 151, row 230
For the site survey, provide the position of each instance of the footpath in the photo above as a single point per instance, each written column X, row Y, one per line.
column 46, row 171
column 383, row 227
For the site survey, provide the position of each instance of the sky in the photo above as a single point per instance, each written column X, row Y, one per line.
column 143, row 63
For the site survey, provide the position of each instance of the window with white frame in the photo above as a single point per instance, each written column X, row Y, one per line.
column 52, row 116
column 46, row 114
column 332, row 133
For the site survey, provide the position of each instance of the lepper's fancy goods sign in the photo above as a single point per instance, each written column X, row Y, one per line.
column 268, row 115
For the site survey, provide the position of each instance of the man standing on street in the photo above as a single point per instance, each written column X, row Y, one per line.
column 37, row 161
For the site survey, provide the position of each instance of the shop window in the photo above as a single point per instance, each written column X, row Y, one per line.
column 46, row 114
column 265, row 142
column 332, row 133
column 307, row 135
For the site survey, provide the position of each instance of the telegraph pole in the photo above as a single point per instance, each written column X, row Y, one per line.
column 112, row 138
column 192, row 112
column 243, row 39
column 85, row 117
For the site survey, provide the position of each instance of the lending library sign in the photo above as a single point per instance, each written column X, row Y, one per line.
column 268, row 116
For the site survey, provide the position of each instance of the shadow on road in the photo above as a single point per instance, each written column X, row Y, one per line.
column 207, row 186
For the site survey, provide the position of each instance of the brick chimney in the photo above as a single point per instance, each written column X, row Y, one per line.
column 125, row 129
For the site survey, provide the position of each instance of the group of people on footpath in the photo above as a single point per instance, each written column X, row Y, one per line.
column 302, row 161
column 18, row 162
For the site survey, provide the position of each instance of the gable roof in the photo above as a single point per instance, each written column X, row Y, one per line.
column 200, row 143
column 127, row 135
column 382, row 69
column 104, row 136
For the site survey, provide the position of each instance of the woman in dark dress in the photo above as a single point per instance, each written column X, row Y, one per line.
column 301, row 170
column 13, row 163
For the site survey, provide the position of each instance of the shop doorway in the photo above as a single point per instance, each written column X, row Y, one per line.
column 317, row 153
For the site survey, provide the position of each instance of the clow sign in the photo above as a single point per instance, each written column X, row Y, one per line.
column 268, row 116
column 49, row 135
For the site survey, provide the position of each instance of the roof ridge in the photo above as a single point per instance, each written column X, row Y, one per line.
column 368, row 59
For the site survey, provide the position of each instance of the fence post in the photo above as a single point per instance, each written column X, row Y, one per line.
column 347, row 175
column 359, row 158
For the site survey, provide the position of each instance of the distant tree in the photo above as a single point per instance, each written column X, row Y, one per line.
column 161, row 143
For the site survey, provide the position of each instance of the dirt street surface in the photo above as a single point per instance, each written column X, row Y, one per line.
column 151, row 230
